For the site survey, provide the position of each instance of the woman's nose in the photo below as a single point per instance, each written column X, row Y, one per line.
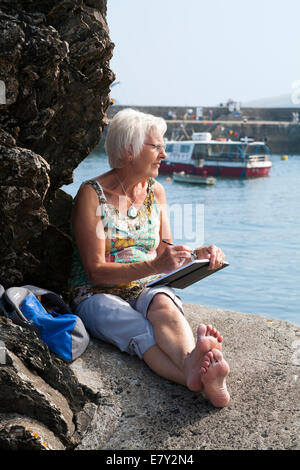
column 163, row 153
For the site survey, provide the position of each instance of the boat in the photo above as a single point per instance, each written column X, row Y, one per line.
column 205, row 157
column 183, row 177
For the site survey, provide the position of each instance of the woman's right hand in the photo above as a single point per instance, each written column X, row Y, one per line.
column 173, row 257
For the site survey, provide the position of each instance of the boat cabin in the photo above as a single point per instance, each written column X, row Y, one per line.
column 193, row 151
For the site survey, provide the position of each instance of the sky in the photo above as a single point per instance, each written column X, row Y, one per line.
column 203, row 52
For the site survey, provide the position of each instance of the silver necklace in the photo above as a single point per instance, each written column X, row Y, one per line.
column 132, row 211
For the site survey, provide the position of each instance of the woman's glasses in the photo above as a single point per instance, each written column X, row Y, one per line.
column 158, row 148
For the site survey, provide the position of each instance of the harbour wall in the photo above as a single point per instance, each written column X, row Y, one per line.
column 275, row 126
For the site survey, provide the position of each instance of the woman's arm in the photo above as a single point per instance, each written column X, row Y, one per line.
column 212, row 252
column 170, row 256
column 165, row 229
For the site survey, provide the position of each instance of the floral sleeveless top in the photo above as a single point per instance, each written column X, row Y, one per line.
column 127, row 240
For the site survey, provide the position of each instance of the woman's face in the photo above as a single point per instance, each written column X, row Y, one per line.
column 147, row 163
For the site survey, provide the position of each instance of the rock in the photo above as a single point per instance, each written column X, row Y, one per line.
column 54, row 86
column 24, row 181
column 18, row 432
column 148, row 412
column 35, row 355
column 111, row 401
column 54, row 63
column 26, row 393
column 99, row 426
column 37, row 386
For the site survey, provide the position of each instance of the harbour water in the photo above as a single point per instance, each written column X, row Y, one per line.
column 256, row 223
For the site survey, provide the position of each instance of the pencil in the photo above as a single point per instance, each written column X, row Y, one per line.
column 168, row 243
column 193, row 253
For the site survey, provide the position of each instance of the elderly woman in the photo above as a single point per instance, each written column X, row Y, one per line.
column 119, row 221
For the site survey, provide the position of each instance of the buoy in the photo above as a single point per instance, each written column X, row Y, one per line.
column 284, row 157
column 168, row 179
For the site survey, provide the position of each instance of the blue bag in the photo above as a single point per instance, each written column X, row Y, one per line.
column 53, row 321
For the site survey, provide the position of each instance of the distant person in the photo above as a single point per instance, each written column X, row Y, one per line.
column 199, row 113
column 119, row 222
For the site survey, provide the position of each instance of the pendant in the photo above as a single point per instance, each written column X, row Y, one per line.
column 132, row 212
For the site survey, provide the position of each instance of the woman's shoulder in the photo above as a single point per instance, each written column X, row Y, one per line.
column 159, row 190
column 100, row 181
column 156, row 184
column 90, row 190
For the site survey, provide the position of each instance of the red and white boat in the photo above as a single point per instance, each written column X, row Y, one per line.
column 221, row 158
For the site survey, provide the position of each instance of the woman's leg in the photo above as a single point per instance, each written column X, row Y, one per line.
column 112, row 319
column 162, row 365
column 214, row 371
column 174, row 337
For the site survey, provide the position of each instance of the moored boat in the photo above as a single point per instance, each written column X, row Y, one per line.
column 205, row 157
column 183, row 177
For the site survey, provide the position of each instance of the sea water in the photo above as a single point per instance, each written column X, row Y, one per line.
column 256, row 222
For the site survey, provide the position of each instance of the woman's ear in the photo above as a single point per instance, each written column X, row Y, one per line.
column 130, row 153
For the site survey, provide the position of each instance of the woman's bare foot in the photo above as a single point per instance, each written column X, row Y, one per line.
column 208, row 338
column 211, row 331
column 214, row 370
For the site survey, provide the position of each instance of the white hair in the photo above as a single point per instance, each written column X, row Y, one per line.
column 127, row 132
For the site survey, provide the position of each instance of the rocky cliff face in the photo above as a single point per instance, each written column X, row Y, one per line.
column 54, row 93
column 41, row 399
column 54, row 69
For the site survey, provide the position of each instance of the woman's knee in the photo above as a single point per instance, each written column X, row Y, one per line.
column 162, row 308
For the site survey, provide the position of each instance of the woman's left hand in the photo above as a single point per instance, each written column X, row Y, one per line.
column 213, row 253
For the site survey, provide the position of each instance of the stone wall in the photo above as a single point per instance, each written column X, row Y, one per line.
column 54, row 62
column 217, row 112
column 270, row 124
column 282, row 138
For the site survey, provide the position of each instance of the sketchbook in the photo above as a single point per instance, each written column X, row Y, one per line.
column 187, row 275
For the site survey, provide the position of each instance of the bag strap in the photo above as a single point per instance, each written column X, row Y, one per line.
column 13, row 298
column 54, row 299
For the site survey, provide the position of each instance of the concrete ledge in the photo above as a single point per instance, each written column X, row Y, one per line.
column 148, row 412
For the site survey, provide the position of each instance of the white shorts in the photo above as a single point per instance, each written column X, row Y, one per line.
column 124, row 324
